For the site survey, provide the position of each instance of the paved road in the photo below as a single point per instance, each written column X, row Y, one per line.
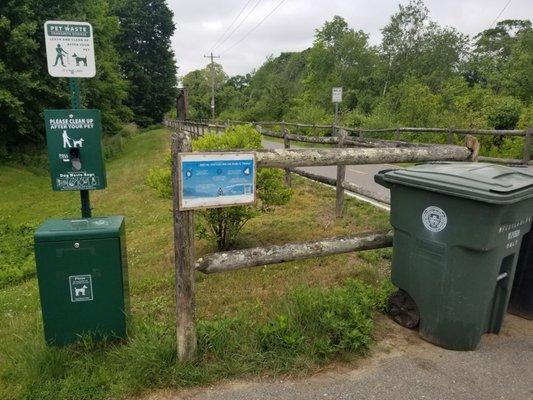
column 362, row 175
column 403, row 367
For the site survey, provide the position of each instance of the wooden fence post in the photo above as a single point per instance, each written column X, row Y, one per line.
column 341, row 174
column 287, row 145
column 449, row 135
column 184, row 260
column 527, row 146
column 397, row 134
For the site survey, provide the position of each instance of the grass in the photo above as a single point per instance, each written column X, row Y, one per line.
column 274, row 319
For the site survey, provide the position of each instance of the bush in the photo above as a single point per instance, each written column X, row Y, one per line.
column 223, row 225
column 503, row 112
column 16, row 252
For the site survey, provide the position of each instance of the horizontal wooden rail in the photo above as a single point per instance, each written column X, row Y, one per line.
column 351, row 187
column 259, row 256
column 291, row 158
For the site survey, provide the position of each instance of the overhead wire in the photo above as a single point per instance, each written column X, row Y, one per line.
column 254, row 28
column 239, row 24
column 230, row 25
column 501, row 12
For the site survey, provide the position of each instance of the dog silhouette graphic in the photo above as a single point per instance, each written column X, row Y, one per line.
column 80, row 60
column 80, row 291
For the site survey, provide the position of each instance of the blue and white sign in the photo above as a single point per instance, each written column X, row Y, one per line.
column 216, row 179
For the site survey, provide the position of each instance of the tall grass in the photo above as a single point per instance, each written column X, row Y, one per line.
column 308, row 327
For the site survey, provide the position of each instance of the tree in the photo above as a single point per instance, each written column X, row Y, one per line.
column 413, row 45
column 26, row 89
column 341, row 56
column 147, row 60
column 198, row 83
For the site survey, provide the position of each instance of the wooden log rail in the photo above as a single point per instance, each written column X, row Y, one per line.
column 260, row 256
column 349, row 186
column 356, row 135
column 291, row 158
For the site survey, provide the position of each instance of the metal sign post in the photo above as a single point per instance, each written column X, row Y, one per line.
column 336, row 98
column 75, row 102
column 70, row 54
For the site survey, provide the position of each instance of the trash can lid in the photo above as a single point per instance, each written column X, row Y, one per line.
column 488, row 183
column 53, row 230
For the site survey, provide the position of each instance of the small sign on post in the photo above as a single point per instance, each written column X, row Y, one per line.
column 209, row 180
column 74, row 141
column 69, row 49
column 336, row 95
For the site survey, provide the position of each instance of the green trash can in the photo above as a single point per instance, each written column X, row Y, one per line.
column 458, row 229
column 83, row 278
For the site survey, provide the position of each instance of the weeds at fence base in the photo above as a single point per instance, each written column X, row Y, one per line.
column 308, row 327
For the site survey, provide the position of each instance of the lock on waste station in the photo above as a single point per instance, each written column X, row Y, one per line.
column 83, row 278
column 458, row 229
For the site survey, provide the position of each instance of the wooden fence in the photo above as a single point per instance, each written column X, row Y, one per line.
column 342, row 139
column 186, row 265
column 357, row 135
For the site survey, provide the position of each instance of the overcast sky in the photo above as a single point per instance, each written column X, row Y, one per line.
column 201, row 23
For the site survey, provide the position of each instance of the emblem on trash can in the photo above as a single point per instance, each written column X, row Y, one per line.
column 434, row 219
column 81, row 288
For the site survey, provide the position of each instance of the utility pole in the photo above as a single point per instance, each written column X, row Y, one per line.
column 212, row 84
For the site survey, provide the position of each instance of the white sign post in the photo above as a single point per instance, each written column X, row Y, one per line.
column 336, row 95
column 69, row 49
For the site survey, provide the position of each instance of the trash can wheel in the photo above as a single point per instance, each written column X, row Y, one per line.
column 403, row 309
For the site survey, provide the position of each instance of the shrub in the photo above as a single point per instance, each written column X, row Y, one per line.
column 223, row 225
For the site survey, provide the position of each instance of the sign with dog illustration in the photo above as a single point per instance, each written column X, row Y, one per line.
column 74, row 149
column 69, row 49
column 81, row 288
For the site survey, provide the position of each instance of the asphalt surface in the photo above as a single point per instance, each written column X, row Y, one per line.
column 362, row 175
column 402, row 367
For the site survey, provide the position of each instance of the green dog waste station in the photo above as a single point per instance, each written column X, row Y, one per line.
column 81, row 263
column 83, row 281
column 458, row 230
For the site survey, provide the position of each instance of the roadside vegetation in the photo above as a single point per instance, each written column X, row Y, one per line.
column 422, row 74
column 285, row 318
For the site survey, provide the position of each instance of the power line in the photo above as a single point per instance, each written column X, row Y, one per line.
column 501, row 12
column 239, row 24
column 230, row 25
column 254, row 28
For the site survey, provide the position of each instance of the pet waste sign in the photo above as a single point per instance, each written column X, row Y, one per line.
column 210, row 180
column 73, row 138
column 69, row 49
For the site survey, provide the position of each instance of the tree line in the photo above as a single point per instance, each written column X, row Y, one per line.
column 421, row 74
column 135, row 68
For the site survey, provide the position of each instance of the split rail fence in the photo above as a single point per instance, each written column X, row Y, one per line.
column 185, row 263
column 343, row 138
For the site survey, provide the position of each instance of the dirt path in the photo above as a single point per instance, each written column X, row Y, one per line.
column 402, row 366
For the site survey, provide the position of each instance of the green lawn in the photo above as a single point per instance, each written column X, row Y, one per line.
column 256, row 299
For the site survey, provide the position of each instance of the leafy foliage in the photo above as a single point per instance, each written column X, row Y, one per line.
column 147, row 60
column 135, row 70
column 223, row 225
column 421, row 74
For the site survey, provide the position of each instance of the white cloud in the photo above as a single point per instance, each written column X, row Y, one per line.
column 200, row 23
